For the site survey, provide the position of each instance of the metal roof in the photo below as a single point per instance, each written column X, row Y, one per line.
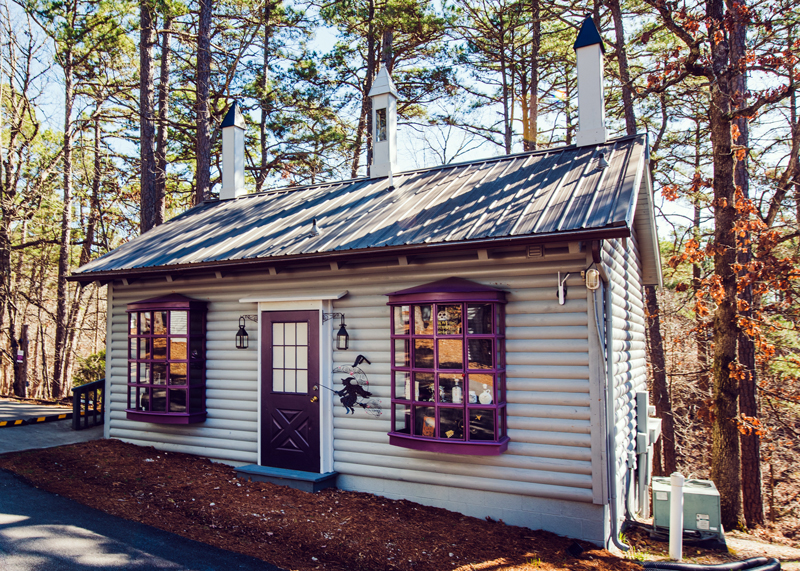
column 553, row 191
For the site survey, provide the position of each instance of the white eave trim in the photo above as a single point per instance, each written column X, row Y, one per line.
column 310, row 296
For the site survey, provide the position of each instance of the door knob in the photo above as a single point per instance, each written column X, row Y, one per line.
column 314, row 398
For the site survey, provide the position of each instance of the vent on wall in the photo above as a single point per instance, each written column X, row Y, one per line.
column 536, row 251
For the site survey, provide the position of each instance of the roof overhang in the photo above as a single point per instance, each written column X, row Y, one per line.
column 262, row 264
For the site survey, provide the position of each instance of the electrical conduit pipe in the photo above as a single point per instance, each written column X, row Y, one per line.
column 676, row 516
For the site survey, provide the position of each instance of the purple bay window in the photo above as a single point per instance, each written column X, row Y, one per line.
column 448, row 368
column 166, row 360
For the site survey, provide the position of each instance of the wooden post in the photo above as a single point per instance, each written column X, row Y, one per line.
column 21, row 365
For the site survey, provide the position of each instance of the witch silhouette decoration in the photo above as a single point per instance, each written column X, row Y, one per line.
column 354, row 389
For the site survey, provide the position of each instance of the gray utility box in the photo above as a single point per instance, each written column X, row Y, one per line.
column 700, row 505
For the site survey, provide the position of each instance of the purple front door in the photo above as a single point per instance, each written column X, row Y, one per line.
column 289, row 404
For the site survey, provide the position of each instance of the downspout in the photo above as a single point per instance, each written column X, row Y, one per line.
column 611, row 424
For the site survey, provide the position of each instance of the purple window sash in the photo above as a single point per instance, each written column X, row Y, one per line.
column 439, row 442
column 190, row 395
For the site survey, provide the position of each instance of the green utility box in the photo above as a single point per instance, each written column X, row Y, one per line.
column 701, row 510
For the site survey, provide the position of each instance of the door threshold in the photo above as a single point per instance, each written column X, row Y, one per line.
column 305, row 481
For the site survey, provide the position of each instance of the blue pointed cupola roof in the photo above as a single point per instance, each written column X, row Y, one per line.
column 588, row 35
column 234, row 117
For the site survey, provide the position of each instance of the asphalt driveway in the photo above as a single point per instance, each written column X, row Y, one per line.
column 45, row 532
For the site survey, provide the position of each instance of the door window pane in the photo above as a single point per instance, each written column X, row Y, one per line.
column 302, row 333
column 277, row 380
column 277, row 333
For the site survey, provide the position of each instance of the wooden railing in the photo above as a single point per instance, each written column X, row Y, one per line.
column 88, row 402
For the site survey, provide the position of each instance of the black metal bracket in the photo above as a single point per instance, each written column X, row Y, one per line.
column 329, row 316
column 249, row 317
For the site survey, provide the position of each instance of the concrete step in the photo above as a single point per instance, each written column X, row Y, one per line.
column 305, row 481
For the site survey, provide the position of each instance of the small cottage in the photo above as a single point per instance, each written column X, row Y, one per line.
column 470, row 336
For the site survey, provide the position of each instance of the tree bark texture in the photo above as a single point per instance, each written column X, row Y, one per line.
column 624, row 72
column 64, row 236
column 752, row 500
column 162, row 130
column 94, row 201
column 530, row 143
column 725, row 449
column 21, row 366
column 661, row 397
column 203, row 141
column 147, row 40
column 265, row 100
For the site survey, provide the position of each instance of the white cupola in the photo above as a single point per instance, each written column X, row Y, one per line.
column 384, row 125
column 233, row 127
column 589, row 52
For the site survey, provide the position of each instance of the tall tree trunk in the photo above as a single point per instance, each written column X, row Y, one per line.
column 203, row 142
column 624, row 72
column 533, row 107
column 752, row 499
column 266, row 108
column 94, row 204
column 64, row 237
column 725, row 449
column 21, row 365
column 162, row 130
column 147, row 41
column 365, row 118
column 701, row 331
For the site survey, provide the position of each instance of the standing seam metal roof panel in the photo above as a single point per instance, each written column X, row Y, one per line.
column 548, row 191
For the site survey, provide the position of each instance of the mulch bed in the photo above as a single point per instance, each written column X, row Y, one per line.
column 333, row 529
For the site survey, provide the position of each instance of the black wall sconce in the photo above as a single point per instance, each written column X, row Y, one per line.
column 342, row 338
column 241, row 335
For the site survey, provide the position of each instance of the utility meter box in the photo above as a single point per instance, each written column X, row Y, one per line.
column 701, row 510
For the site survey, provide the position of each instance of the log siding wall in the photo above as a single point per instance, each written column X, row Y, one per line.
column 550, row 474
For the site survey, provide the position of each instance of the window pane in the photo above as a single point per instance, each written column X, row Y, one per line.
column 131, row 372
column 196, row 323
column 289, row 381
column 448, row 319
column 451, row 354
column 144, row 348
column 423, row 324
column 134, row 349
column 159, row 347
column 289, row 333
column 196, row 348
column 144, row 372
column 177, row 348
column 196, row 400
column 196, row 373
column 289, row 357
column 402, row 418
column 481, row 424
column 277, row 380
column 302, row 357
column 302, row 381
column 451, row 388
column 451, row 423
column 477, row 385
column 277, row 357
column 134, row 323
column 424, row 387
column 177, row 373
column 501, row 362
column 159, row 373
column 402, row 385
column 144, row 323
column 159, row 400
column 480, row 353
column 480, row 318
column 302, row 333
column 401, row 353
column 160, row 322
column 144, row 399
column 177, row 400
column 423, row 353
column 277, row 333
column 178, row 321
column 401, row 319
column 425, row 421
